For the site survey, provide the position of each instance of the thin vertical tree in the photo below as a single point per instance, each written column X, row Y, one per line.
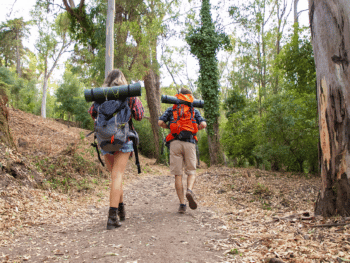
column 110, row 37
column 330, row 29
column 52, row 43
column 204, row 43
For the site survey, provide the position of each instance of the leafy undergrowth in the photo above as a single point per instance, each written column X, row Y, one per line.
column 270, row 215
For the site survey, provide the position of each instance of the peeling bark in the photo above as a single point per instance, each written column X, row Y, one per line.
column 330, row 29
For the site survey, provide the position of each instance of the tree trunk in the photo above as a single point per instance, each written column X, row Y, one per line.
column 296, row 11
column 110, row 37
column 215, row 151
column 330, row 28
column 43, row 100
column 152, row 86
column 5, row 135
column 18, row 56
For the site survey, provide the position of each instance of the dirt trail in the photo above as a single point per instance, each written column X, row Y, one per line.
column 153, row 232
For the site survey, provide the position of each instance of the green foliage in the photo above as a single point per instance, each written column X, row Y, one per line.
column 285, row 137
column 82, row 26
column 70, row 101
column 277, row 126
column 144, row 129
column 28, row 96
column 234, row 103
column 204, row 43
column 297, row 62
column 4, row 88
column 12, row 33
column 240, row 135
column 203, row 147
column 290, row 132
column 22, row 92
column 7, row 76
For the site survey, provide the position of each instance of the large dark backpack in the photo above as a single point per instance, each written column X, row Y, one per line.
column 113, row 127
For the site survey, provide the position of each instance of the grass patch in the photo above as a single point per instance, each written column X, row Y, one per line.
column 262, row 190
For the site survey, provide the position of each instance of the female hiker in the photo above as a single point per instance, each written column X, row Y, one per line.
column 117, row 161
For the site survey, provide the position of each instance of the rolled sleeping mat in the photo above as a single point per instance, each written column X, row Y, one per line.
column 174, row 100
column 113, row 93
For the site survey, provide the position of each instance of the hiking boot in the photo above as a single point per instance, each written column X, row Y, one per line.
column 121, row 212
column 182, row 209
column 191, row 199
column 113, row 221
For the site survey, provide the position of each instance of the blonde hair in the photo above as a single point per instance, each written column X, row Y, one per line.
column 115, row 78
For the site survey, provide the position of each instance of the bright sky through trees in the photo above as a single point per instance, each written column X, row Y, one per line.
column 21, row 8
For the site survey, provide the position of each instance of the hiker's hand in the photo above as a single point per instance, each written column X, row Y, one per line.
column 162, row 124
column 202, row 125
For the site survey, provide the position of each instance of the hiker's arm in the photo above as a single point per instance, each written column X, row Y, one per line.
column 165, row 118
column 163, row 124
column 136, row 107
column 93, row 111
column 202, row 125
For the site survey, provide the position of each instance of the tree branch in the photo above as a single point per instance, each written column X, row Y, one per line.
column 302, row 11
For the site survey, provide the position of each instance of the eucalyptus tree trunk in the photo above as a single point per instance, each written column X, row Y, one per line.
column 330, row 28
column 152, row 86
column 18, row 56
column 296, row 11
column 5, row 135
column 43, row 100
column 110, row 37
column 47, row 75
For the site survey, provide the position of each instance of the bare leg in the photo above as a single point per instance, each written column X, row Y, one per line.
column 119, row 165
column 109, row 160
column 179, row 188
column 191, row 178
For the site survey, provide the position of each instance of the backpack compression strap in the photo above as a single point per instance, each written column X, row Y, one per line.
column 95, row 145
column 98, row 152
column 135, row 149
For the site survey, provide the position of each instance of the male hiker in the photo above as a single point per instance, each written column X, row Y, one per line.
column 184, row 122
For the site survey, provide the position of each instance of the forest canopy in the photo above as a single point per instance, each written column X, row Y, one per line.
column 263, row 71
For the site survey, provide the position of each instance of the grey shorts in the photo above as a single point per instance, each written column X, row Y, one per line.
column 126, row 148
column 182, row 156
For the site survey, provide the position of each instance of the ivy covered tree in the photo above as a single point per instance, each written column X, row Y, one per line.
column 204, row 42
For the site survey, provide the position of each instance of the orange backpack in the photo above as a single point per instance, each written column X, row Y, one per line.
column 184, row 125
